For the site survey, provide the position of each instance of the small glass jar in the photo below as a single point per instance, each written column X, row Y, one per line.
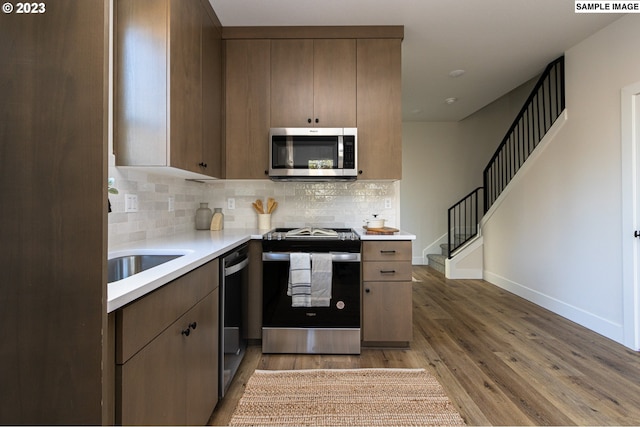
column 203, row 217
column 217, row 222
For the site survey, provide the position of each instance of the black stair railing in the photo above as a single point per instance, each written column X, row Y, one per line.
column 463, row 219
column 541, row 109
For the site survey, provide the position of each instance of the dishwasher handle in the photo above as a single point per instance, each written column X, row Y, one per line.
column 228, row 271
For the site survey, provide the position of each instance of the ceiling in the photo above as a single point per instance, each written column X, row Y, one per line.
column 500, row 44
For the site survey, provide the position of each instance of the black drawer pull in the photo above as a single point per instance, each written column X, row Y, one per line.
column 387, row 271
column 186, row 332
column 392, row 251
column 193, row 325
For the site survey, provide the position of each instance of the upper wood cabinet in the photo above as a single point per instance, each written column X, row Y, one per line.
column 168, row 85
column 379, row 109
column 247, row 114
column 313, row 83
column 291, row 76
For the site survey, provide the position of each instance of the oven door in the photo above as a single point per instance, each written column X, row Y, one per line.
column 343, row 310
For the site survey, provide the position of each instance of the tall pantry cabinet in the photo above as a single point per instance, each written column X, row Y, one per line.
column 53, row 171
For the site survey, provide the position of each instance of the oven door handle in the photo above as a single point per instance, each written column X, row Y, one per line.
column 335, row 256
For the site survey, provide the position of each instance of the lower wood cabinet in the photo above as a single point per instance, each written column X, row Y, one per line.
column 387, row 301
column 170, row 378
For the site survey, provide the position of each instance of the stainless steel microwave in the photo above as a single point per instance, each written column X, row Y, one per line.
column 313, row 154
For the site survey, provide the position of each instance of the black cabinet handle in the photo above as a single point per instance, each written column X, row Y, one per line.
column 367, row 290
column 387, row 271
column 388, row 251
column 360, row 172
column 309, row 120
column 202, row 164
column 317, row 120
column 193, row 325
column 186, row 332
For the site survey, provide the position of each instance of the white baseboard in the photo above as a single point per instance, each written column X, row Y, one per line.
column 591, row 321
column 418, row 260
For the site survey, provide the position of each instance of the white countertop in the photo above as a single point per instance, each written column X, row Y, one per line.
column 198, row 247
column 400, row 235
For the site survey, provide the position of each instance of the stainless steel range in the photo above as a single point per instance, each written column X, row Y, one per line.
column 311, row 291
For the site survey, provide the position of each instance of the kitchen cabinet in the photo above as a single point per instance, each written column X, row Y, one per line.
column 168, row 84
column 167, row 352
column 313, row 83
column 387, row 293
column 54, row 86
column 379, row 97
column 291, row 76
column 247, row 115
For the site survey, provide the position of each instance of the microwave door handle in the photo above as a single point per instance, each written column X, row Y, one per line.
column 340, row 152
column 289, row 148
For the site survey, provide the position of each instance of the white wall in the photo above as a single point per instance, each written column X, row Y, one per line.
column 443, row 161
column 556, row 238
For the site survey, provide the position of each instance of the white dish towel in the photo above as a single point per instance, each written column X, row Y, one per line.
column 299, row 287
column 321, row 274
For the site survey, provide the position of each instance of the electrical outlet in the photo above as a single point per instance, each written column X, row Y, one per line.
column 131, row 203
column 172, row 203
column 231, row 204
column 387, row 203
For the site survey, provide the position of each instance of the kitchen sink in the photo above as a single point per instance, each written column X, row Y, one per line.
column 125, row 266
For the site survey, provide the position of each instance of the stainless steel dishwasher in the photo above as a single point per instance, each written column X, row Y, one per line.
column 232, row 345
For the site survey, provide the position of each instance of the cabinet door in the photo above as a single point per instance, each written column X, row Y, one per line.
column 379, row 109
column 201, row 360
column 247, row 82
column 140, row 83
column 174, row 379
column 291, row 83
column 153, row 385
column 334, row 83
column 387, row 311
column 186, row 85
column 211, row 98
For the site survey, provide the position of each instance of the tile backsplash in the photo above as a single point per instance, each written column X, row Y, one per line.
column 333, row 204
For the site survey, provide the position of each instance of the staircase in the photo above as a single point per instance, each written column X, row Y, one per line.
column 437, row 261
column 543, row 106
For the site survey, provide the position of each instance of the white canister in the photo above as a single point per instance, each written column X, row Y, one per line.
column 264, row 221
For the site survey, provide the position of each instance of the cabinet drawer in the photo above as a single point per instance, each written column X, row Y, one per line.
column 384, row 271
column 142, row 320
column 392, row 250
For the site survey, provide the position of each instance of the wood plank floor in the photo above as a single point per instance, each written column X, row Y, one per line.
column 501, row 359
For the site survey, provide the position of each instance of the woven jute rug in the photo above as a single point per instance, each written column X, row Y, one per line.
column 345, row 397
